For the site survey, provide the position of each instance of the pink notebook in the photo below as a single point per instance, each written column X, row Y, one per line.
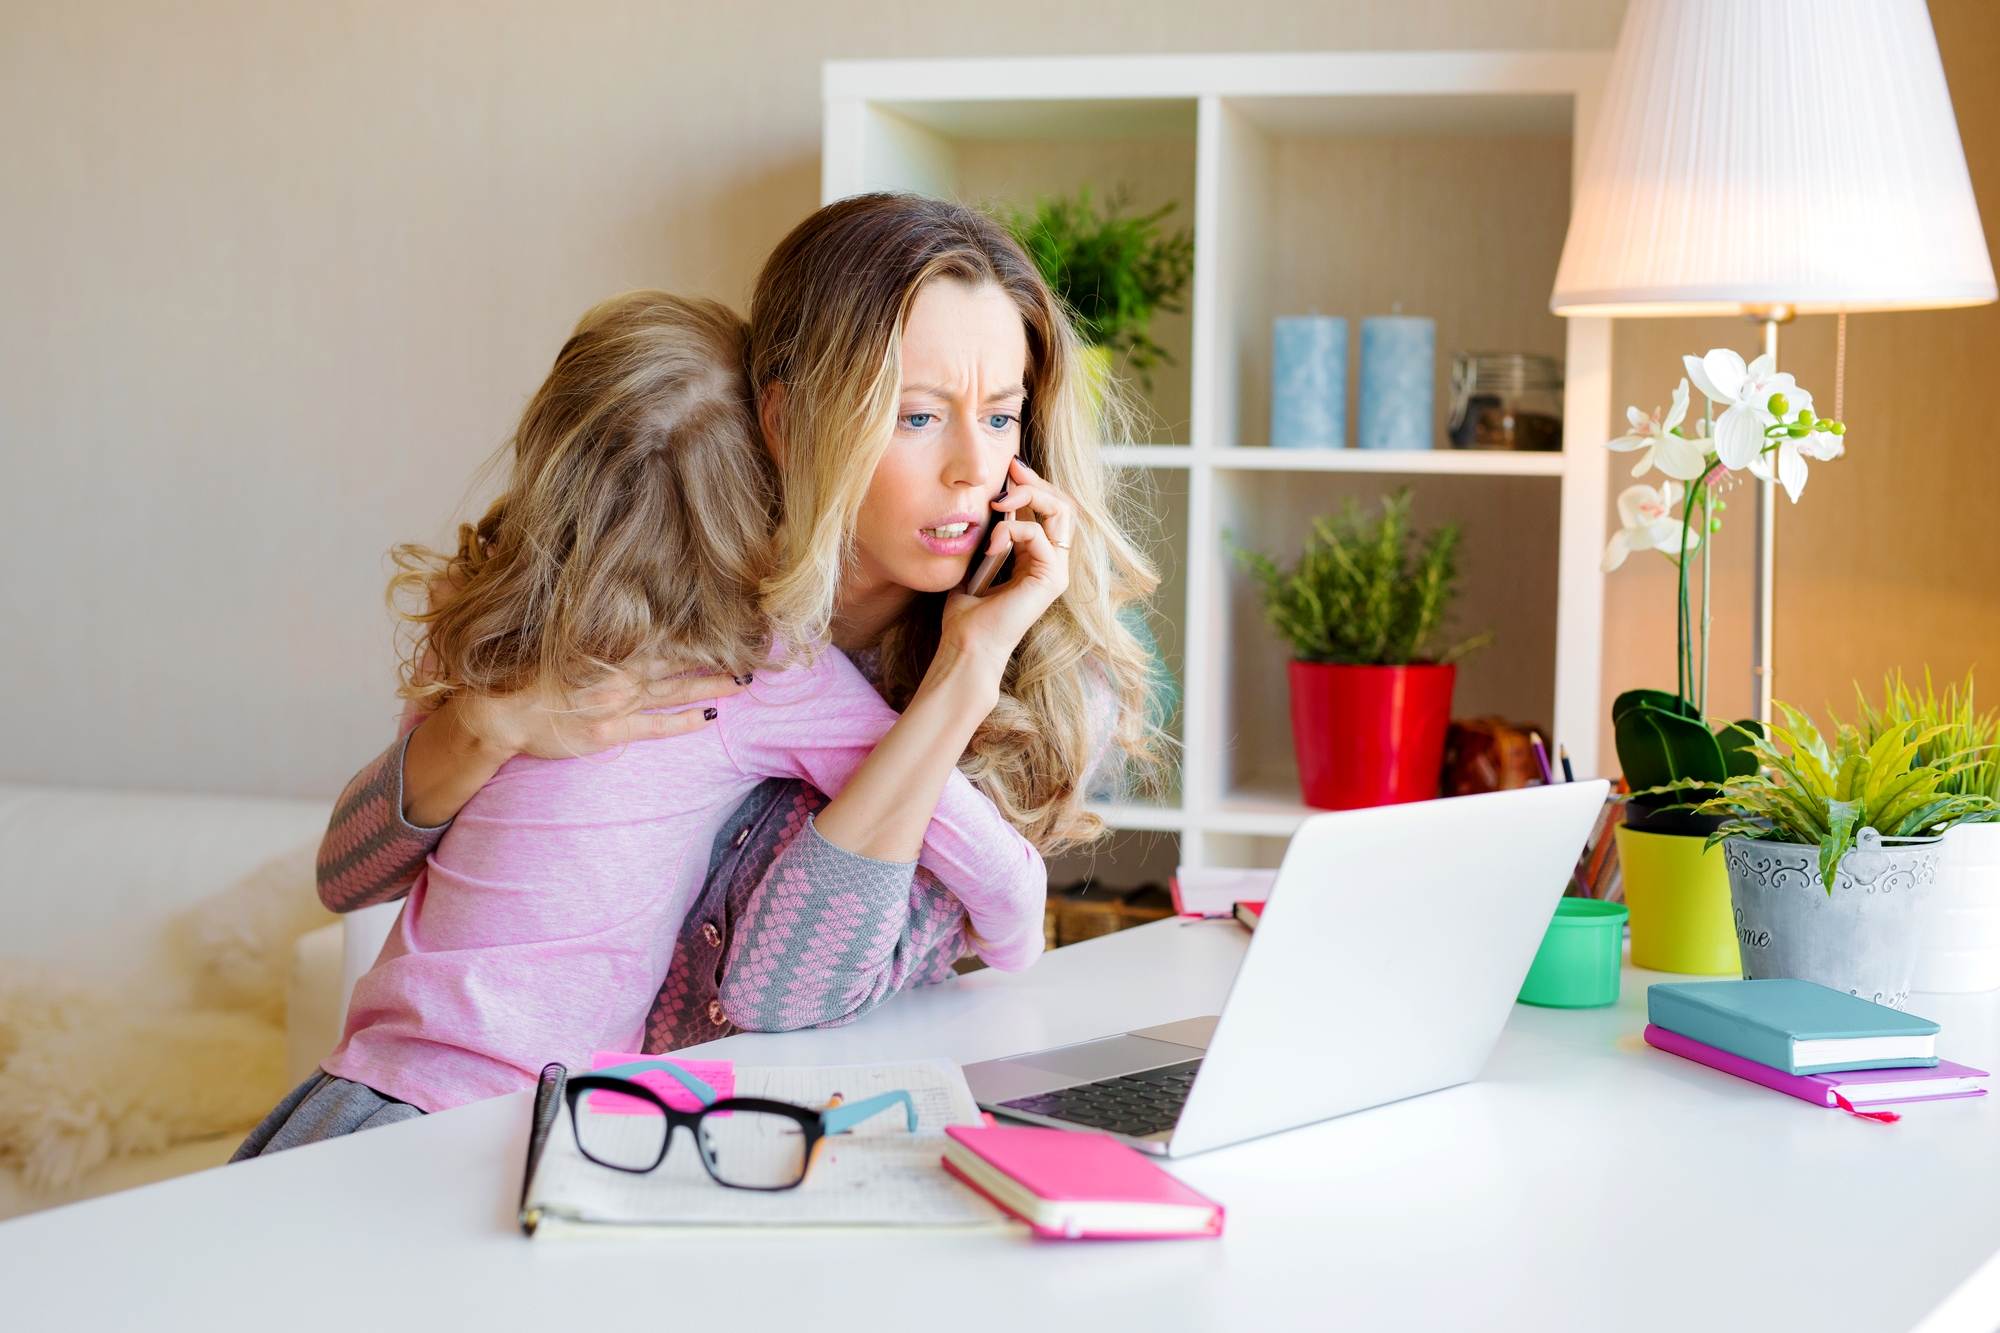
column 1077, row 1186
column 1861, row 1087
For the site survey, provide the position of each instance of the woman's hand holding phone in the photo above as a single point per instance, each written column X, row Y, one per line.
column 986, row 566
column 989, row 627
column 887, row 805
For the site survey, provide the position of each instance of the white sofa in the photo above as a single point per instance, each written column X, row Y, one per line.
column 89, row 877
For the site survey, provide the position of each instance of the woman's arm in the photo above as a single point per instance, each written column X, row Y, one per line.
column 898, row 795
column 789, row 931
column 880, row 926
column 394, row 812
column 826, row 936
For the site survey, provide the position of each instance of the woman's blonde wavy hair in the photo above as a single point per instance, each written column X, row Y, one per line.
column 826, row 322
column 635, row 522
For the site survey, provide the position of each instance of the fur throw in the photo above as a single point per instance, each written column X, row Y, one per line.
column 188, row 1044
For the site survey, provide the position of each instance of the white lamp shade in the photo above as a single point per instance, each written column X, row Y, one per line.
column 1774, row 152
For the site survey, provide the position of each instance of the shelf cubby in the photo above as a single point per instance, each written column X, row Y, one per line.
column 1507, row 559
column 1009, row 154
column 1341, row 182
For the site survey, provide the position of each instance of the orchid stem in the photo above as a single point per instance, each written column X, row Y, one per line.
column 1707, row 549
column 1683, row 653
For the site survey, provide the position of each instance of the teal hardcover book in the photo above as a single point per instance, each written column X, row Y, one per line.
column 1797, row 1026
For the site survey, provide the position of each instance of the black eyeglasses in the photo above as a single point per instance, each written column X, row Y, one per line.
column 746, row 1143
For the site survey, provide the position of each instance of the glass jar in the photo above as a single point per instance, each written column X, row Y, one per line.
column 1506, row 400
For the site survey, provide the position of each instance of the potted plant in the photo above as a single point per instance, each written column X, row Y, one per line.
column 1833, row 850
column 1961, row 945
column 1676, row 883
column 1370, row 701
column 1112, row 269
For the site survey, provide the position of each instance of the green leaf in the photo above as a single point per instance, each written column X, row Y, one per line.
column 1739, row 760
column 1912, row 789
column 1642, row 750
column 1657, row 748
column 1888, row 758
column 1800, row 733
column 1657, row 699
column 1841, row 816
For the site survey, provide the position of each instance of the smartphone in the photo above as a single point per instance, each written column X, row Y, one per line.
column 982, row 575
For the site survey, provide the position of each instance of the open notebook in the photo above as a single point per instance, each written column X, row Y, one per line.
column 877, row 1175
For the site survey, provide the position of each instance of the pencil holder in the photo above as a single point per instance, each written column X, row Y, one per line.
column 1577, row 965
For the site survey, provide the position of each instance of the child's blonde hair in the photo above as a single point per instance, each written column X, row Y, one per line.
column 635, row 522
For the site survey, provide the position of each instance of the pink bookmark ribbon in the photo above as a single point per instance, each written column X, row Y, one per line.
column 1886, row 1117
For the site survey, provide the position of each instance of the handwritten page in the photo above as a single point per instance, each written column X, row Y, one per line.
column 878, row 1174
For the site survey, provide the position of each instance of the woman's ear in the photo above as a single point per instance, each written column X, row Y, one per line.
column 771, row 418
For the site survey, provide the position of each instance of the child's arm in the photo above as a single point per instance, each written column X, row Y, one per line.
column 374, row 847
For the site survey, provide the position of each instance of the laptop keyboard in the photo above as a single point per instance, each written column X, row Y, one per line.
column 1135, row 1104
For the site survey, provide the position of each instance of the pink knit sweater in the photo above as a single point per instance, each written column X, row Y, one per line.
column 540, row 928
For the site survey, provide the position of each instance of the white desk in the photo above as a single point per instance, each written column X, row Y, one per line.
column 1586, row 1181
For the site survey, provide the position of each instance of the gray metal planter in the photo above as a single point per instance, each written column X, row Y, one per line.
column 1862, row 939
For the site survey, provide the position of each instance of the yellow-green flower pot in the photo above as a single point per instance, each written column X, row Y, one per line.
column 1679, row 897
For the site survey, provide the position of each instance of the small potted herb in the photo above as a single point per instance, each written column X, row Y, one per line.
column 1112, row 269
column 1371, row 697
column 1833, row 850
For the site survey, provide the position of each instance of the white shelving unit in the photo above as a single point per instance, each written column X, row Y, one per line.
column 1342, row 182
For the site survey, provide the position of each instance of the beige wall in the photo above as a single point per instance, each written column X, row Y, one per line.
column 1891, row 558
column 274, row 279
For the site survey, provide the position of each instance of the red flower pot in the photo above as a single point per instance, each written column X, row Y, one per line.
column 1369, row 735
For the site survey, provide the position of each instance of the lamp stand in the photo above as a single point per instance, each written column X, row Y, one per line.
column 1763, row 612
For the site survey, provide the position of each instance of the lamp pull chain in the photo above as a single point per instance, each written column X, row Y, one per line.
column 1840, row 368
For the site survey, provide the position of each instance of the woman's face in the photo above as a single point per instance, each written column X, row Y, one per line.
column 958, row 423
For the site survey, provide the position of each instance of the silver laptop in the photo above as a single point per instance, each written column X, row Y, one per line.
column 1385, row 965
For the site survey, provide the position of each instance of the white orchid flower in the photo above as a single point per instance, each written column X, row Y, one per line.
column 1760, row 397
column 1703, row 442
column 1649, row 524
column 1791, row 455
column 1745, row 393
column 1656, row 441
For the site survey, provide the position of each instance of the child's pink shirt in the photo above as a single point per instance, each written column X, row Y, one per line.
column 541, row 928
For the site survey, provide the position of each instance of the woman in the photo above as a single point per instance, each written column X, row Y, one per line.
column 904, row 353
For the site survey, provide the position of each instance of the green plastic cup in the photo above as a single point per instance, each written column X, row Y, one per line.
column 1577, row 965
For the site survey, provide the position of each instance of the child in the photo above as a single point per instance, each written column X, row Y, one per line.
column 634, row 526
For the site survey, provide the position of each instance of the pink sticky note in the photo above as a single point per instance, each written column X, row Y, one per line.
column 718, row 1074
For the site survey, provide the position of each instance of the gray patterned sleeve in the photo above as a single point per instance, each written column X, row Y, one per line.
column 370, row 853
column 828, row 935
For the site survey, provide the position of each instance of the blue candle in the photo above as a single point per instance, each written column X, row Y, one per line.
column 1398, row 380
column 1309, row 382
